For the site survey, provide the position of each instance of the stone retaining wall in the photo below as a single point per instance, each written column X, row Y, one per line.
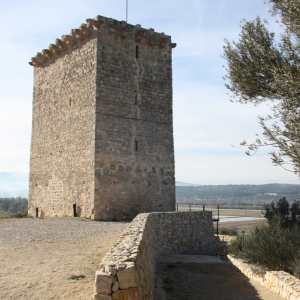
column 280, row 282
column 128, row 270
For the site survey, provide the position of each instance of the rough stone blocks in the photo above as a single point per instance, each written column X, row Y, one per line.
column 102, row 130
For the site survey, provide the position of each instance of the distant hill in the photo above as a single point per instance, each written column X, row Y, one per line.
column 14, row 184
column 180, row 183
column 237, row 195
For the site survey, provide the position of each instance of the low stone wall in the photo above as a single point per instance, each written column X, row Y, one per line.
column 280, row 282
column 128, row 270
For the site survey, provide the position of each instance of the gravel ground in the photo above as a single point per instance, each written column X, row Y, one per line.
column 39, row 257
column 16, row 232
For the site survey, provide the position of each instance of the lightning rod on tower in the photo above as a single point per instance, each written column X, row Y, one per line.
column 126, row 11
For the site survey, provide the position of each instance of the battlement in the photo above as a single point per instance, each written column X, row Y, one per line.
column 107, row 26
column 102, row 134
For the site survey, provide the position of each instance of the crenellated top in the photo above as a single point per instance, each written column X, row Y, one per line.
column 107, row 26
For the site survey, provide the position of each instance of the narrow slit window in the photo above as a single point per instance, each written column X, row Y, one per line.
column 136, row 100
column 136, row 145
column 137, row 52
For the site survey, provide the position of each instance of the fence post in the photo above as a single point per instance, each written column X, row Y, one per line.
column 218, row 220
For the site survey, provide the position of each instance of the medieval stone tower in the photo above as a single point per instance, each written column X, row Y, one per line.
column 102, row 129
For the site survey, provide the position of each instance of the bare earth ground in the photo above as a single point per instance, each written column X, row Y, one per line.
column 224, row 212
column 238, row 212
column 239, row 226
column 38, row 256
column 197, row 277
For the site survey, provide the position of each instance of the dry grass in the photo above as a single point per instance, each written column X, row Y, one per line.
column 3, row 215
column 238, row 212
column 224, row 212
column 238, row 226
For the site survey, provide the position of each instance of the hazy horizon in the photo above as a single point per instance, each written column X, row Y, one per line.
column 15, row 184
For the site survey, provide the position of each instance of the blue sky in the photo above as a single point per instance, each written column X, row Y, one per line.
column 206, row 123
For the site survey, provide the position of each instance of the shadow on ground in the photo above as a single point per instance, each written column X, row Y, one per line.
column 179, row 278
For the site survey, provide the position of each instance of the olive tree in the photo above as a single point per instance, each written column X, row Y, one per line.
column 260, row 69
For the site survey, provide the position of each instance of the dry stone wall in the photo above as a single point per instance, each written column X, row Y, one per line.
column 279, row 282
column 128, row 270
column 102, row 131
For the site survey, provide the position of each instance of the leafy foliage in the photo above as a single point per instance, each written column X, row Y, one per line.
column 270, row 246
column 260, row 69
column 14, row 205
column 19, row 215
column 236, row 247
column 289, row 215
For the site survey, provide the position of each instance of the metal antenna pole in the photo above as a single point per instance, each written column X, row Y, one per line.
column 126, row 11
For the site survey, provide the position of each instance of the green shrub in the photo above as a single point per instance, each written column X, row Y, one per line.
column 237, row 246
column 19, row 215
column 231, row 232
column 289, row 214
column 296, row 267
column 270, row 245
column 13, row 205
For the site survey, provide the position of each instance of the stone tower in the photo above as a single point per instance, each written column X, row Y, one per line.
column 102, row 129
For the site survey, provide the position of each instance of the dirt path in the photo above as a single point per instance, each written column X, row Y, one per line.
column 190, row 277
column 37, row 260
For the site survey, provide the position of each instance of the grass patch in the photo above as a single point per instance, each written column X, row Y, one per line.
column 19, row 215
column 76, row 277
column 230, row 232
column 3, row 215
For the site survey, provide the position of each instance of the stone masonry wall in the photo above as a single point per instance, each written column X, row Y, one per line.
column 280, row 282
column 63, row 133
column 128, row 270
column 102, row 131
column 134, row 160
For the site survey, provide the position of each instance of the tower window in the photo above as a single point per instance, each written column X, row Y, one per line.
column 136, row 100
column 136, row 146
column 137, row 52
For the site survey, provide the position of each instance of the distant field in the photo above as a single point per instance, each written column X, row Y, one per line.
column 238, row 212
column 233, row 226
column 223, row 212
column 239, row 226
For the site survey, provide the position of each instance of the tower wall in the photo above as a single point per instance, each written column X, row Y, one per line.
column 63, row 132
column 134, row 161
column 102, row 133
